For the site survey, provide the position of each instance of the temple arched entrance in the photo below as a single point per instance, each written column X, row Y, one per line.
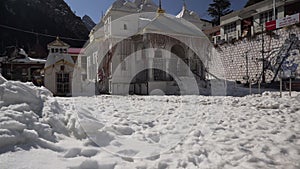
column 178, row 52
column 140, row 84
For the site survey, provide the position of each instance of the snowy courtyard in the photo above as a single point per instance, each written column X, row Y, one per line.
column 38, row 130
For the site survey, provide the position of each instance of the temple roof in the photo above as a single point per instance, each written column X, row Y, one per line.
column 54, row 58
column 118, row 4
column 163, row 23
column 58, row 43
column 148, row 6
column 135, row 6
column 167, row 24
column 124, row 5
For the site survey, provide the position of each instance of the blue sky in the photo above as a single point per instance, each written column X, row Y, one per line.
column 94, row 8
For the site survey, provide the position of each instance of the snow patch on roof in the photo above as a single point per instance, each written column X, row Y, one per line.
column 26, row 59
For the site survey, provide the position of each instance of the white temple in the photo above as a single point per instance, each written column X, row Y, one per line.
column 139, row 49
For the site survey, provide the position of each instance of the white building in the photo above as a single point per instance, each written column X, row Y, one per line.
column 252, row 19
column 253, row 56
column 137, row 48
column 59, row 69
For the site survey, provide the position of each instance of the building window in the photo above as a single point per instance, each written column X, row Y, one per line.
column 83, row 62
column 266, row 16
column 159, row 64
column 110, row 86
column 62, row 83
column 123, row 65
column 126, row 49
column 230, row 28
column 123, row 62
column 89, row 68
column 107, row 26
column 292, row 9
column 144, row 53
column 24, row 72
column 125, row 27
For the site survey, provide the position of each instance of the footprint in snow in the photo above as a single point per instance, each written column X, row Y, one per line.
column 89, row 152
column 92, row 164
column 73, row 152
column 76, row 152
column 128, row 153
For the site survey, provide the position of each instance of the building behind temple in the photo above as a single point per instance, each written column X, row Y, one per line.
column 252, row 19
column 255, row 44
column 17, row 65
column 59, row 67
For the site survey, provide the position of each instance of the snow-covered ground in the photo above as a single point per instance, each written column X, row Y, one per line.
column 106, row 132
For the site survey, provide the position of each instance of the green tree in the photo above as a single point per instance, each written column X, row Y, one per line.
column 217, row 9
column 251, row 2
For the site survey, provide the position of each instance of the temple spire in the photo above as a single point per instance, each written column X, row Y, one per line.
column 160, row 10
column 184, row 4
column 160, row 4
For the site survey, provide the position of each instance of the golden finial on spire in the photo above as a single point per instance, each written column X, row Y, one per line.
column 160, row 10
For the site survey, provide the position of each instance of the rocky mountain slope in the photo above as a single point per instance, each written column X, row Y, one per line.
column 52, row 17
column 88, row 22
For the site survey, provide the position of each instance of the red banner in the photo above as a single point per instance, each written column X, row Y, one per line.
column 271, row 25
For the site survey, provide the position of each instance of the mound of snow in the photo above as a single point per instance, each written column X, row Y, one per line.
column 17, row 93
column 31, row 115
column 2, row 79
column 19, row 126
column 92, row 164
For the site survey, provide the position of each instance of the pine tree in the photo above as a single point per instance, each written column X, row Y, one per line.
column 217, row 9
